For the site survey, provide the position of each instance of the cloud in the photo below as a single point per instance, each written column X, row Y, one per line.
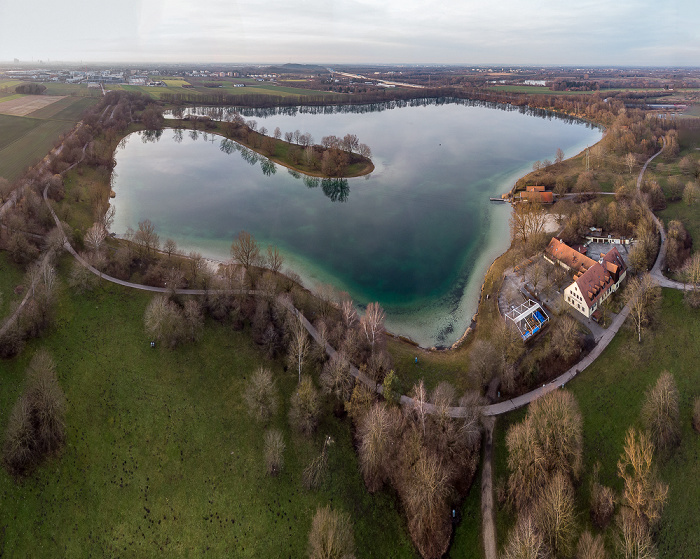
column 332, row 31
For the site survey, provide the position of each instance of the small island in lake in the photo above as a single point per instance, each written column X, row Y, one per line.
column 334, row 158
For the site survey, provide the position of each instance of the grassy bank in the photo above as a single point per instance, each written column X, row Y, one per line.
column 161, row 456
column 610, row 394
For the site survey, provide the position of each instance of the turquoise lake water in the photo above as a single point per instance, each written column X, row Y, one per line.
column 417, row 234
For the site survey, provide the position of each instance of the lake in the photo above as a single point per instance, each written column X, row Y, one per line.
column 417, row 235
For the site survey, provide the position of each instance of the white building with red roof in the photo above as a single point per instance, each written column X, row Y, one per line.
column 592, row 287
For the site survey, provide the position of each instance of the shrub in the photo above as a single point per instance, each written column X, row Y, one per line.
column 331, row 535
column 19, row 451
column 261, row 395
column 36, row 426
column 660, row 413
column 305, row 407
column 590, row 547
column 696, row 414
column 555, row 515
column 274, row 451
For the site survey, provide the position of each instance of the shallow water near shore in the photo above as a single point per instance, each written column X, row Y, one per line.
column 417, row 235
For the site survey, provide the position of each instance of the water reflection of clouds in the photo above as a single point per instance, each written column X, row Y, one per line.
column 415, row 237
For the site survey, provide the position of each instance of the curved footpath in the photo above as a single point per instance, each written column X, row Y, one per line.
column 487, row 509
column 457, row 411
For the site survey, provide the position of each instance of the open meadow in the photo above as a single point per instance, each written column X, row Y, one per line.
column 610, row 394
column 24, row 140
column 161, row 456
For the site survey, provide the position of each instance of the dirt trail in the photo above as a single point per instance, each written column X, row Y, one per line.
column 488, row 526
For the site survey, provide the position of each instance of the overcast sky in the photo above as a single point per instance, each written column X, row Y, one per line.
column 580, row 32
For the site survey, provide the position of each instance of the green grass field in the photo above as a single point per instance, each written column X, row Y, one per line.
column 14, row 127
column 10, row 97
column 176, row 82
column 610, row 394
column 30, row 147
column 79, row 90
column 8, row 86
column 26, row 140
column 161, row 457
column 689, row 216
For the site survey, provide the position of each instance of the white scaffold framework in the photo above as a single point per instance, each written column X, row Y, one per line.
column 529, row 318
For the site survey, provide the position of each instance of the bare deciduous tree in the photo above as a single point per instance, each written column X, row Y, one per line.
column 274, row 259
column 559, row 156
column 331, row 535
column 349, row 313
column 299, row 345
column 163, row 321
column 274, row 451
column 365, row 151
column 427, row 506
column 644, row 296
column 525, row 542
column 526, row 463
column 327, row 295
column 376, row 434
column 261, row 395
column 170, row 247
column 590, row 547
column 420, row 400
column 315, row 471
column 37, row 426
column 555, row 515
column 305, row 407
column 336, row 378
column 602, row 501
column 527, row 220
column 565, row 337
column 372, row 324
column 643, row 493
column 245, row 250
column 557, row 421
column 691, row 193
column 634, row 538
column 146, row 237
column 95, row 237
column 661, row 414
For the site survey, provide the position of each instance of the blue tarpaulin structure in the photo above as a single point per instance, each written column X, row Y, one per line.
column 529, row 318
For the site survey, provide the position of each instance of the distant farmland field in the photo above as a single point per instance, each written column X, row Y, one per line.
column 14, row 127
column 26, row 104
column 80, row 90
column 31, row 147
column 68, row 108
column 7, row 86
column 24, row 140
column 176, row 83
column 9, row 97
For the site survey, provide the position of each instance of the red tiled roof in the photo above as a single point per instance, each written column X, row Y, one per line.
column 613, row 263
column 594, row 283
column 535, row 188
column 543, row 197
column 572, row 258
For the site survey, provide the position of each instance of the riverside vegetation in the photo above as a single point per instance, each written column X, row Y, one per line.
column 193, row 405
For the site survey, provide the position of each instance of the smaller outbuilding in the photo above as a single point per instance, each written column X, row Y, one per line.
column 529, row 318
